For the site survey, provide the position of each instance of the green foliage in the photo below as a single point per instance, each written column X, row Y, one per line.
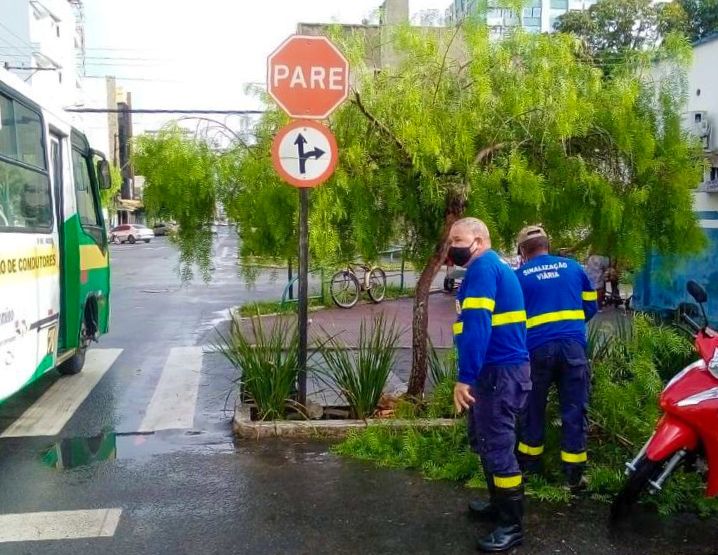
column 627, row 378
column 441, row 401
column 613, row 28
column 181, row 184
column 440, row 454
column 274, row 307
column 109, row 196
column 360, row 375
column 442, row 364
column 267, row 363
column 699, row 18
column 628, row 362
column 442, row 372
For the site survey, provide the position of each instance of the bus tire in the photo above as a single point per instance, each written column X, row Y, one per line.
column 74, row 364
column 132, row 239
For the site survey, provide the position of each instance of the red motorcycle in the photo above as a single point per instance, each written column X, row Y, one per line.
column 688, row 430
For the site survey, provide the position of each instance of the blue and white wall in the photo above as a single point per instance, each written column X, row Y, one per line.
column 661, row 287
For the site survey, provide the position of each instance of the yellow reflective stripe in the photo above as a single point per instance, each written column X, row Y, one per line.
column 509, row 482
column 506, row 318
column 478, row 303
column 458, row 328
column 589, row 296
column 559, row 316
column 532, row 451
column 574, row 457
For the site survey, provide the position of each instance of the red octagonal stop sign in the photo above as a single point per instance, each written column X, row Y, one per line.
column 308, row 77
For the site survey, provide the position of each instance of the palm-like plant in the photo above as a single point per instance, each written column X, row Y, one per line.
column 361, row 373
column 267, row 363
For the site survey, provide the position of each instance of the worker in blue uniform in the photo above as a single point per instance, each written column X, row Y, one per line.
column 494, row 375
column 559, row 301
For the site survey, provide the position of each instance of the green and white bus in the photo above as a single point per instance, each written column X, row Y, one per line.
column 54, row 260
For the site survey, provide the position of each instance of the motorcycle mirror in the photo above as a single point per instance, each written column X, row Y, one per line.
column 697, row 291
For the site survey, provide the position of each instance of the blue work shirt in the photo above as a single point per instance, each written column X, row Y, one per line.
column 559, row 299
column 491, row 327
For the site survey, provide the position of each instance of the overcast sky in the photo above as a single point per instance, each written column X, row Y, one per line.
column 201, row 53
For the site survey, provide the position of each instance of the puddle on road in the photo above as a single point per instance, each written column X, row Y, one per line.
column 110, row 446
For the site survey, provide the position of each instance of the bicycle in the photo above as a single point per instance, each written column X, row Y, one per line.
column 345, row 286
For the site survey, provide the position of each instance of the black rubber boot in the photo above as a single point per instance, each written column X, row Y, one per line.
column 485, row 509
column 530, row 466
column 574, row 477
column 509, row 532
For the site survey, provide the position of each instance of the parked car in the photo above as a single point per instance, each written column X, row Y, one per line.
column 163, row 228
column 131, row 233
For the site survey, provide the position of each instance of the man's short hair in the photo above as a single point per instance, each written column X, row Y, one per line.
column 475, row 226
column 532, row 246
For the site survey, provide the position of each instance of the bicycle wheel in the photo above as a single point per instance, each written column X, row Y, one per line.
column 377, row 285
column 344, row 289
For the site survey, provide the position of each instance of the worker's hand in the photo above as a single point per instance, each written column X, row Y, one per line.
column 462, row 397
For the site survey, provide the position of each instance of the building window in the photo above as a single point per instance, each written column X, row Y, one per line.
column 714, row 174
column 559, row 4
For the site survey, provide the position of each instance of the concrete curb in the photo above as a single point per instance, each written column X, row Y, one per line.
column 245, row 428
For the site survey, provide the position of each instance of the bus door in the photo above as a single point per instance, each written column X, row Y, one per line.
column 58, row 167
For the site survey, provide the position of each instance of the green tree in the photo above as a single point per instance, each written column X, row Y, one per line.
column 514, row 132
column 611, row 29
column 701, row 18
column 181, row 183
column 108, row 197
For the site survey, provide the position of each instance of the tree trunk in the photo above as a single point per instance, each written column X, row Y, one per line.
column 420, row 323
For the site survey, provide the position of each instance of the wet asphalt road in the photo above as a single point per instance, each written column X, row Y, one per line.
column 192, row 490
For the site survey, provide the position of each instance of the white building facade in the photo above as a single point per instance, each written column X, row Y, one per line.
column 43, row 43
column 539, row 16
column 701, row 116
column 40, row 41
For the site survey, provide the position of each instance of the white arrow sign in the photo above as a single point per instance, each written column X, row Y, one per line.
column 305, row 153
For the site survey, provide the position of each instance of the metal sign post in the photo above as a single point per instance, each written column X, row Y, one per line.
column 308, row 77
column 303, row 291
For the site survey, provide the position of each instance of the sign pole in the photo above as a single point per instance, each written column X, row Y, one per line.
column 308, row 77
column 303, row 291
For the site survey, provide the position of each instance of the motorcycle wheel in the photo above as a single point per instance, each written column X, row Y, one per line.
column 636, row 483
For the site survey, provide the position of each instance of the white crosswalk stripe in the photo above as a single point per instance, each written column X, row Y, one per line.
column 59, row 525
column 173, row 404
column 49, row 414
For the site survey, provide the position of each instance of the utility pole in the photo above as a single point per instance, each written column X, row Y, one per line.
column 124, row 132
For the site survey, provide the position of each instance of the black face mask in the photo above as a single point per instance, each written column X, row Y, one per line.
column 461, row 255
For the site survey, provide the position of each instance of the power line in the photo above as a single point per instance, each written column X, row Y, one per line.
column 129, row 78
column 22, row 40
column 162, row 111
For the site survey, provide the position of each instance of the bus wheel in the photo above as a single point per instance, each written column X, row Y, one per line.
column 74, row 364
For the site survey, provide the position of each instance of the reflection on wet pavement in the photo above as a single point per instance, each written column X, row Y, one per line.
column 77, row 452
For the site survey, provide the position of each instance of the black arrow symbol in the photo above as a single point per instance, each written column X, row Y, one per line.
column 317, row 153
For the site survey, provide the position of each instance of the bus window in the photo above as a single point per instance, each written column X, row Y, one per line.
column 84, row 193
column 25, row 202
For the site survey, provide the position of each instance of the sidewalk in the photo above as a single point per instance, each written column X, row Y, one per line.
column 346, row 322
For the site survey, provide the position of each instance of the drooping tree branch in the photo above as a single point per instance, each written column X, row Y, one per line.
column 383, row 129
column 487, row 152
